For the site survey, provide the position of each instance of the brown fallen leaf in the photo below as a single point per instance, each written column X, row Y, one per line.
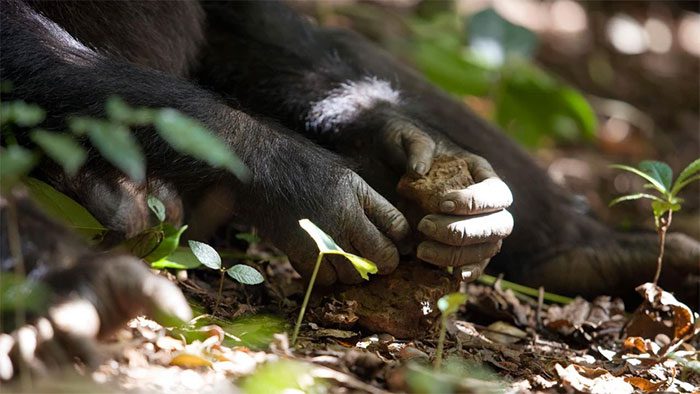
column 186, row 360
column 594, row 381
column 662, row 314
column 645, row 385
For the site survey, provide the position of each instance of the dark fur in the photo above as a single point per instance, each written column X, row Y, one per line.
column 262, row 57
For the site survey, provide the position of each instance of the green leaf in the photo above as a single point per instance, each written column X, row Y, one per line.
column 362, row 265
column 531, row 105
column 450, row 303
column 494, row 38
column 630, row 197
column 248, row 237
column 116, row 144
column 680, row 185
column 654, row 183
column 156, row 207
column 661, row 172
column 21, row 113
column 62, row 148
column 245, row 274
column 451, row 70
column 144, row 243
column 117, row 110
column 15, row 163
column 661, row 207
column 182, row 259
column 206, row 254
column 685, row 175
column 171, row 240
column 324, row 242
column 326, row 245
column 190, row 137
column 17, row 292
column 61, row 207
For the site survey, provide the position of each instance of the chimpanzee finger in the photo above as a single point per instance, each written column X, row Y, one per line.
column 134, row 289
column 372, row 245
column 467, row 230
column 470, row 273
column 304, row 263
column 479, row 168
column 456, row 256
column 489, row 195
column 389, row 220
column 405, row 145
column 419, row 148
column 7, row 370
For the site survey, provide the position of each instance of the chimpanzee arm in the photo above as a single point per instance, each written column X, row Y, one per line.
column 290, row 177
column 279, row 64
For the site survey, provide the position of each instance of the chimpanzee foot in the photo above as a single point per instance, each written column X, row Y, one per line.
column 616, row 266
column 89, row 301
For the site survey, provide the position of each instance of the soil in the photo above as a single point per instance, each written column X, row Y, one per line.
column 447, row 173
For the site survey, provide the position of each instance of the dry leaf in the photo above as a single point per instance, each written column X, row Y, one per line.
column 187, row 360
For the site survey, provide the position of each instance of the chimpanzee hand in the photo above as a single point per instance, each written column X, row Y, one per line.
column 465, row 227
column 359, row 219
column 89, row 301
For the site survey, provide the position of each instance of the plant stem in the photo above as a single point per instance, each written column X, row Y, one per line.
column 441, row 343
column 665, row 223
column 309, row 288
column 219, row 293
column 551, row 297
column 15, row 246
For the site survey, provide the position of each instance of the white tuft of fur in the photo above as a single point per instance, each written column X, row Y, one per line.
column 342, row 104
column 60, row 39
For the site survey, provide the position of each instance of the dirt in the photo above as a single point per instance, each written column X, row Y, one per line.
column 447, row 173
column 403, row 303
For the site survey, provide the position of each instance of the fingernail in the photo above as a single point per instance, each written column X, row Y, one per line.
column 447, row 206
column 427, row 227
column 419, row 168
column 426, row 253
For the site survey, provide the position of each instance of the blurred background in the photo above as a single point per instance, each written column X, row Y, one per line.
column 580, row 84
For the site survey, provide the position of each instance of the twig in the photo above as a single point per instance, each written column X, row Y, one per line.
column 665, row 223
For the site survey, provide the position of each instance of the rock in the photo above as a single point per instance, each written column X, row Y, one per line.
column 447, row 173
column 402, row 303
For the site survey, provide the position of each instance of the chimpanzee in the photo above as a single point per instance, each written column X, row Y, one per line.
column 325, row 122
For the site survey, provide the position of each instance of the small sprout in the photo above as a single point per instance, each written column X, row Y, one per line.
column 206, row 254
column 209, row 257
column 664, row 200
column 157, row 207
column 448, row 305
column 245, row 274
column 326, row 245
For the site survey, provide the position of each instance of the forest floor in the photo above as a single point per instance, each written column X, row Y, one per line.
column 500, row 341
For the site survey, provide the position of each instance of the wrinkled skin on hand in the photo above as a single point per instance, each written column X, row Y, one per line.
column 360, row 220
column 465, row 227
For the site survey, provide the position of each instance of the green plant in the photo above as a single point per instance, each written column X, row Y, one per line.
column 448, row 304
column 487, row 56
column 327, row 246
column 664, row 200
column 210, row 258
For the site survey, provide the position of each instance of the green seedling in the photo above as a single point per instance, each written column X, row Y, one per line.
column 448, row 305
column 210, row 258
column 327, row 246
column 664, row 195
